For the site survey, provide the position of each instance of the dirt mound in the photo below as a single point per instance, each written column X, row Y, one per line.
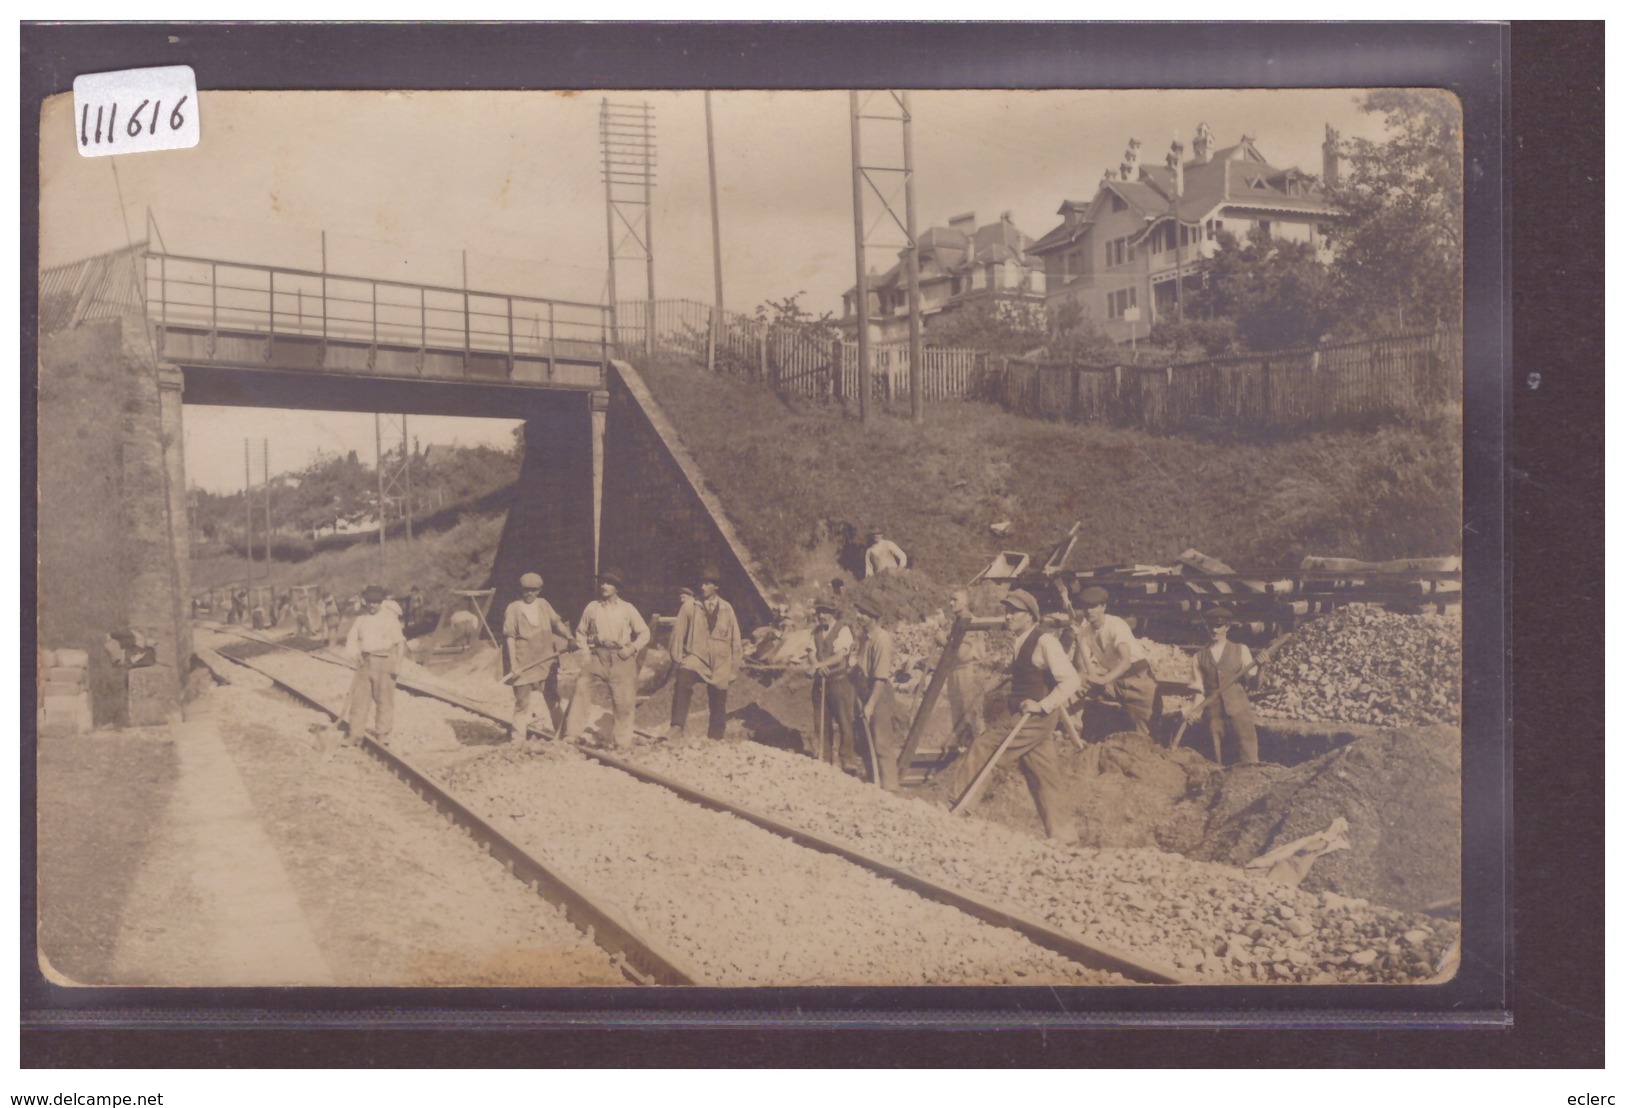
column 1400, row 792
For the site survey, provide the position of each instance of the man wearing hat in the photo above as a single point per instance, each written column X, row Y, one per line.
column 1111, row 660
column 834, row 698
column 872, row 668
column 883, row 554
column 709, row 651
column 965, row 691
column 611, row 633
column 378, row 644
column 1228, row 665
column 1042, row 681
column 536, row 636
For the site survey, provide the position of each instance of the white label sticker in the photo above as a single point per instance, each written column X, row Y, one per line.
column 136, row 110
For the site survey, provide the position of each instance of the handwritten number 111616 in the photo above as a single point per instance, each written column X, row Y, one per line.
column 139, row 120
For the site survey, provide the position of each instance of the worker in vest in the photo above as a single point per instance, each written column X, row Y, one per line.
column 872, row 670
column 1222, row 663
column 536, row 636
column 710, row 651
column 611, row 633
column 1042, row 681
column 834, row 697
column 1112, row 661
column 377, row 645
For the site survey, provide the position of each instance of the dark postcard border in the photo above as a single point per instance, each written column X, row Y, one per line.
column 1470, row 59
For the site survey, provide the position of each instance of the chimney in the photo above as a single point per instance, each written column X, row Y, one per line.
column 1004, row 217
column 1202, row 145
column 1329, row 168
column 1131, row 161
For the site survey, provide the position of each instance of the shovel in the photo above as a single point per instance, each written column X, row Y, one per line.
column 1267, row 653
column 974, row 793
column 509, row 680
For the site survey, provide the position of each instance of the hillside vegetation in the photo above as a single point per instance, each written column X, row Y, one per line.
column 790, row 470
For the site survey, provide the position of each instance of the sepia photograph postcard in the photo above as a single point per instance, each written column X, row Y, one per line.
column 622, row 539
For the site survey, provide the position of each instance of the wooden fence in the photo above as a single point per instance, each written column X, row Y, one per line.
column 808, row 360
column 1351, row 382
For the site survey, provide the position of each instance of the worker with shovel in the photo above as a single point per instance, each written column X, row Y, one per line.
column 1042, row 681
column 536, row 637
column 611, row 633
column 1226, row 668
column 834, row 698
column 1113, row 662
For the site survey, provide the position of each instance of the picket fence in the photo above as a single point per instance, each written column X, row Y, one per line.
column 1390, row 377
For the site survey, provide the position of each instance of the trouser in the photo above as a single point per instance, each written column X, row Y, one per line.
column 965, row 700
column 1240, row 725
column 880, row 728
column 835, row 713
column 332, row 633
column 1137, row 693
column 1035, row 747
column 716, row 700
column 374, row 683
column 618, row 678
column 549, row 684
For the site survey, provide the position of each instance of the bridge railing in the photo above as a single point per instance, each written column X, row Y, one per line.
column 224, row 297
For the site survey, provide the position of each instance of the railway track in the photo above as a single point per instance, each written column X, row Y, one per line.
column 653, row 812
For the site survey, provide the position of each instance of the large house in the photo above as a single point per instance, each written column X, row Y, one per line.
column 1117, row 254
column 960, row 264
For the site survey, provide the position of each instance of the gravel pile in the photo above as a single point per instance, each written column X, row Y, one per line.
column 743, row 906
column 1212, row 921
column 1364, row 664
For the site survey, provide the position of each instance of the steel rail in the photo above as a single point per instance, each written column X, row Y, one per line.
column 640, row 958
column 1094, row 955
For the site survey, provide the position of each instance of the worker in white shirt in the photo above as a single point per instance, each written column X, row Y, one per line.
column 1042, row 681
column 536, row 637
column 611, row 632
column 378, row 644
column 1227, row 665
column 883, row 554
column 1112, row 661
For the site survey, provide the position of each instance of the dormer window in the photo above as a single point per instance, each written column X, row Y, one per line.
column 1257, row 183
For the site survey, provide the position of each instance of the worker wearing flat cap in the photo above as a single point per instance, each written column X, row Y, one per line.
column 378, row 644
column 1112, row 662
column 829, row 661
column 709, row 650
column 612, row 634
column 536, row 637
column 1042, row 681
column 872, row 670
column 1228, row 666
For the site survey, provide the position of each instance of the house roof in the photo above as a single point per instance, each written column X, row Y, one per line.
column 1236, row 176
column 945, row 251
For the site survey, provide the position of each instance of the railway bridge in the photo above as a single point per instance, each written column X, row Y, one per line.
column 127, row 339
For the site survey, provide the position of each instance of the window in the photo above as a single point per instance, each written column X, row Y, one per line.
column 1077, row 263
column 1120, row 301
column 1264, row 227
column 1119, row 252
column 1118, row 203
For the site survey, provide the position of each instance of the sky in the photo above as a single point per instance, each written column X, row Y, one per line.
column 404, row 183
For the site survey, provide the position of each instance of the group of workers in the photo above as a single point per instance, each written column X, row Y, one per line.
column 853, row 662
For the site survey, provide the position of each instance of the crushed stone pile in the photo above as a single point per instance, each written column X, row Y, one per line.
column 1209, row 920
column 1364, row 664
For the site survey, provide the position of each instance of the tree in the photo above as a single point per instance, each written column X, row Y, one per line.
column 1398, row 245
column 1006, row 328
column 1278, row 293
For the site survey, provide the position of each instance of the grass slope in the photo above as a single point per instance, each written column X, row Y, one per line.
column 788, row 467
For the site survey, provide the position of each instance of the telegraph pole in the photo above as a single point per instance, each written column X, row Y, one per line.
column 378, row 446
column 406, row 464
column 248, row 513
column 626, row 136
column 873, row 174
column 1176, row 163
column 265, row 466
column 863, row 271
column 716, row 224
column 916, row 359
